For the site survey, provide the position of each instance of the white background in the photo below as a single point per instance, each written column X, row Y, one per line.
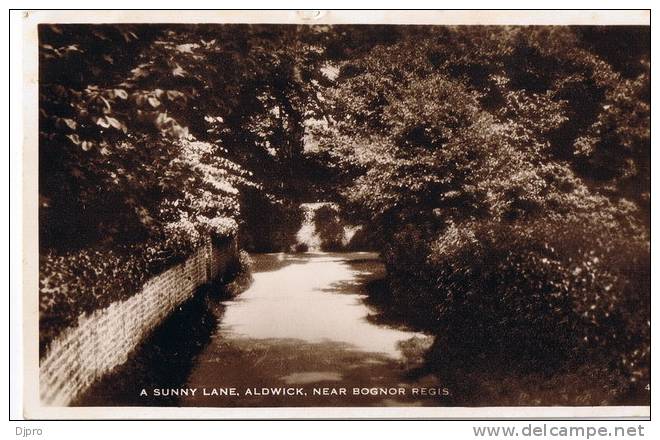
column 10, row 262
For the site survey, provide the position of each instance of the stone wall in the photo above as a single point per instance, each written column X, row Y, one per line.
column 103, row 339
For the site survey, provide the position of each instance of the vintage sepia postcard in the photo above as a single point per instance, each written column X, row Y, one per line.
column 337, row 214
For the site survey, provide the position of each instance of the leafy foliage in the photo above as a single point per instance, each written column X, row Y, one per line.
column 506, row 170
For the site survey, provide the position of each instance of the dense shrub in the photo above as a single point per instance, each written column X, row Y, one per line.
column 540, row 293
column 330, row 227
column 541, row 299
column 505, row 171
column 325, row 228
column 237, row 277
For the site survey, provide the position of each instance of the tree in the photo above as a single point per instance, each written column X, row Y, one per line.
column 470, row 152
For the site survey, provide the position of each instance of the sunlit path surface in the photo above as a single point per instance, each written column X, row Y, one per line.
column 303, row 325
column 315, row 298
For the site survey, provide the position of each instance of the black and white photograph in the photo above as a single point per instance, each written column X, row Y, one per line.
column 412, row 218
